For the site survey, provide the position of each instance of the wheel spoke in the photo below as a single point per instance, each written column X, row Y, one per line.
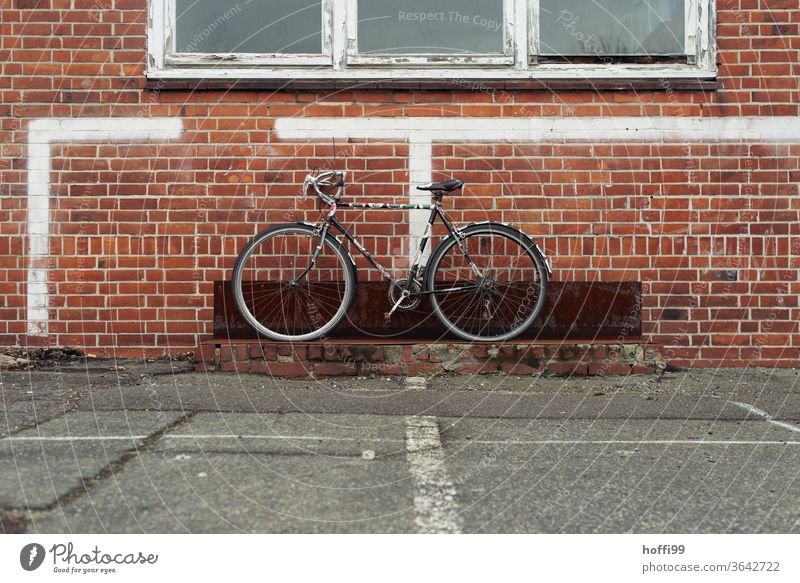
column 499, row 305
column 271, row 298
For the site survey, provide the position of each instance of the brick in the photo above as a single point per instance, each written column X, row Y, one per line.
column 237, row 352
column 204, row 367
column 270, row 351
column 233, row 366
column 281, row 369
column 335, row 369
column 643, row 369
column 422, row 368
column 382, row 369
column 254, row 351
column 519, row 368
column 568, row 368
column 260, row 351
column 608, row 368
column 362, row 353
column 480, row 351
column 207, row 354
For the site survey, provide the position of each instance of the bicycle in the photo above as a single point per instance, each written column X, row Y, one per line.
column 295, row 282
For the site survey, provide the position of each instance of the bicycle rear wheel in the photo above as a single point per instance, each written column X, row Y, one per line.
column 285, row 296
column 501, row 302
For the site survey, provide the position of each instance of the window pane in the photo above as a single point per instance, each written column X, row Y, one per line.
column 612, row 27
column 260, row 26
column 430, row 26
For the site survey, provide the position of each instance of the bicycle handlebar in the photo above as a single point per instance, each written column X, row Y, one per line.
column 326, row 179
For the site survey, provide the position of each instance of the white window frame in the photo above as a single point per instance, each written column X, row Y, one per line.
column 339, row 59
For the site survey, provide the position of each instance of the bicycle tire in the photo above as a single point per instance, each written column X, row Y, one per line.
column 459, row 313
column 283, row 311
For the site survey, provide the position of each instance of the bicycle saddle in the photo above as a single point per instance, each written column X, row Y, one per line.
column 448, row 186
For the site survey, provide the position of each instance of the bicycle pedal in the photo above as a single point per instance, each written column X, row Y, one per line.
column 387, row 316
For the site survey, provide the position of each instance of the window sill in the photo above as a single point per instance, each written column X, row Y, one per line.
column 543, row 76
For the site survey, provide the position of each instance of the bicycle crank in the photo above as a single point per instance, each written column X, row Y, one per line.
column 408, row 302
column 403, row 299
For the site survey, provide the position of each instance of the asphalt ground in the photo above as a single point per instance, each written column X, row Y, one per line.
column 90, row 446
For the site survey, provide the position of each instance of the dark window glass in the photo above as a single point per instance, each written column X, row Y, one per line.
column 612, row 27
column 260, row 26
column 430, row 26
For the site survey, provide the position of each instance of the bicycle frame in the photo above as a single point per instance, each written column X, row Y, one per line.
column 324, row 226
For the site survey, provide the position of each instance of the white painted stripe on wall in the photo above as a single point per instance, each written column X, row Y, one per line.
column 42, row 133
column 420, row 171
column 422, row 132
column 544, row 129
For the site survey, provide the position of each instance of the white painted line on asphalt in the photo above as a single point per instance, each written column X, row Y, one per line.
column 434, row 492
column 286, row 437
column 78, row 438
column 416, row 383
column 752, row 409
column 189, row 437
column 382, row 440
column 629, row 442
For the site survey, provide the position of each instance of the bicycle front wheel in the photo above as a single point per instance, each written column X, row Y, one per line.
column 285, row 295
column 494, row 291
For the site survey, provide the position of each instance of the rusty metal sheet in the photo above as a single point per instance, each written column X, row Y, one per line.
column 574, row 310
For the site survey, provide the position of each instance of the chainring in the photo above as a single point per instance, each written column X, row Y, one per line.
column 411, row 301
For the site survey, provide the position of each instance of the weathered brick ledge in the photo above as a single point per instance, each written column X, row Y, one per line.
column 351, row 358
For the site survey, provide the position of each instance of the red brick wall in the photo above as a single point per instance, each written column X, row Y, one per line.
column 141, row 230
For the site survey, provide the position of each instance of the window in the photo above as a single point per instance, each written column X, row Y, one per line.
column 612, row 28
column 431, row 39
column 258, row 27
column 431, row 32
column 246, row 31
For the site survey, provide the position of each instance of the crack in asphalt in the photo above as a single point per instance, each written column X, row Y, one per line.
column 16, row 518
